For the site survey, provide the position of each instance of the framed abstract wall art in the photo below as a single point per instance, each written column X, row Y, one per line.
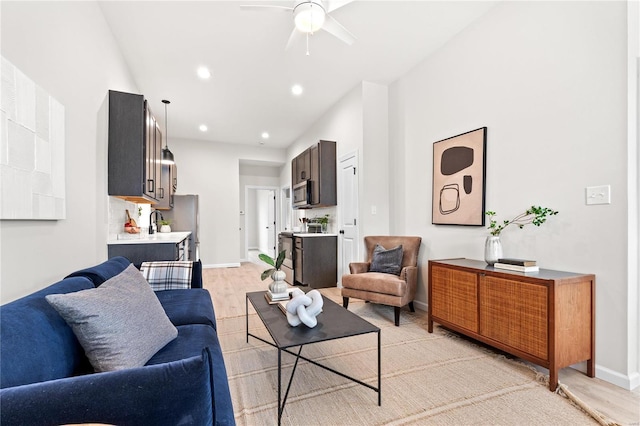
column 459, row 164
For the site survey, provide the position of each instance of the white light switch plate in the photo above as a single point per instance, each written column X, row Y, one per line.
column 598, row 194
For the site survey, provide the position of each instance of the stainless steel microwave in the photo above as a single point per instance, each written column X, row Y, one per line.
column 302, row 194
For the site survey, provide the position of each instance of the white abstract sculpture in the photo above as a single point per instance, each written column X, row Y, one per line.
column 304, row 308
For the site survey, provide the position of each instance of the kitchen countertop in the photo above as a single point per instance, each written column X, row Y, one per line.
column 313, row 234
column 156, row 238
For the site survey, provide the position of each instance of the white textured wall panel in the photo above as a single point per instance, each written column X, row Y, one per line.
column 32, row 150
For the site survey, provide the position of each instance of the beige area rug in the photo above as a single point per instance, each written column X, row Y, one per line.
column 427, row 378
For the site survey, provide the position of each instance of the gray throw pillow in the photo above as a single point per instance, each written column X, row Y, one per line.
column 387, row 261
column 120, row 324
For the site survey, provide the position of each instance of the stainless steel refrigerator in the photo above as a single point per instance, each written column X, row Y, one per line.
column 185, row 216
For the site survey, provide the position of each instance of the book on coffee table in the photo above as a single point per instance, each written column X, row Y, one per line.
column 273, row 298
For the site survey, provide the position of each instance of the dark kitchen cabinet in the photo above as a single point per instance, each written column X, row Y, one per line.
column 138, row 253
column 316, row 261
column 301, row 167
column 323, row 174
column 168, row 186
column 317, row 164
column 135, row 149
column 174, row 177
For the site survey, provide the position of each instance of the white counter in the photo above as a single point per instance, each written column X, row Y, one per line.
column 313, row 234
column 158, row 237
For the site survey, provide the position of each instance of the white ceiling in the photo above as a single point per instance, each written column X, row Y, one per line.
column 164, row 42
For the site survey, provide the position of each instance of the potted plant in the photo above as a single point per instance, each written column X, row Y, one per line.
column 278, row 285
column 323, row 221
column 534, row 215
column 165, row 225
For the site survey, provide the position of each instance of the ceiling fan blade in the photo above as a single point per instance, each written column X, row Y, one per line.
column 295, row 35
column 264, row 7
column 331, row 5
column 334, row 28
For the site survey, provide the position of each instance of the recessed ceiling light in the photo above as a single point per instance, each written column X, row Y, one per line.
column 203, row 128
column 296, row 89
column 265, row 135
column 204, row 73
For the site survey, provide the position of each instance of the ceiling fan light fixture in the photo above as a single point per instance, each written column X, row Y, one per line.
column 309, row 16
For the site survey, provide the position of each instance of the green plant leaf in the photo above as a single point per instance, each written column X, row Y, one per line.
column 267, row 273
column 266, row 259
column 280, row 259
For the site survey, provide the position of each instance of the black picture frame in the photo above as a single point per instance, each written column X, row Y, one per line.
column 459, row 177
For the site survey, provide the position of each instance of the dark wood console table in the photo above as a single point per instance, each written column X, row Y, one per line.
column 545, row 317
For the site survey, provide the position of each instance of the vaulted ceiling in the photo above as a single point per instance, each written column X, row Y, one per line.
column 249, row 91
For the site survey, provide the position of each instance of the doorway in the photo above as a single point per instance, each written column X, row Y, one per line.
column 260, row 221
column 348, row 212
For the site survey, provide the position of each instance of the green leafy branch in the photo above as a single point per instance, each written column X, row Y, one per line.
column 536, row 215
column 276, row 264
column 322, row 219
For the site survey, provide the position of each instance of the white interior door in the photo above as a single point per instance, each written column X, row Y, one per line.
column 271, row 223
column 348, row 212
column 260, row 220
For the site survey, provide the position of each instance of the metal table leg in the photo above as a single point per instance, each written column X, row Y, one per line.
column 246, row 315
column 280, row 405
column 286, row 394
column 379, row 372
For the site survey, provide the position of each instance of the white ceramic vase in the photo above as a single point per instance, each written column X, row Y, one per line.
column 278, row 285
column 492, row 249
column 165, row 228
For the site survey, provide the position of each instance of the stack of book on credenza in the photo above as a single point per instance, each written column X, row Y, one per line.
column 518, row 265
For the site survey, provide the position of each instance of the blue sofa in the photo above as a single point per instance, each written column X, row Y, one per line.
column 46, row 379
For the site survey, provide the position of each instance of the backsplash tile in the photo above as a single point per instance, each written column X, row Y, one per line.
column 118, row 216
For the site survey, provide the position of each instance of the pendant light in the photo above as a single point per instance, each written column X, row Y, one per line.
column 167, row 156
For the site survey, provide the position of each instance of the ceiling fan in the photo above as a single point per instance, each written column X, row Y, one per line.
column 310, row 16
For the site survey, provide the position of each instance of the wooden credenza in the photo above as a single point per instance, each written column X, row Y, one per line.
column 546, row 317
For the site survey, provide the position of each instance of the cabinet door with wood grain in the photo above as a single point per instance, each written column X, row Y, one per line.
column 454, row 297
column 515, row 313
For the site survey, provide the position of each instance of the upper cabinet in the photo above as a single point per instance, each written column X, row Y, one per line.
column 168, row 186
column 317, row 164
column 301, row 167
column 135, row 149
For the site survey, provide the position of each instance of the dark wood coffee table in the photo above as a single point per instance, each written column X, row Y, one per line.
column 335, row 322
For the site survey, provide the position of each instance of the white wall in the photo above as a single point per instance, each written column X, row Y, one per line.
column 68, row 50
column 212, row 170
column 358, row 123
column 374, row 179
column 548, row 79
column 633, row 191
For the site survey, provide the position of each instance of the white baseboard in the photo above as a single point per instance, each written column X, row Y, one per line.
column 420, row 305
column 629, row 382
column 222, row 265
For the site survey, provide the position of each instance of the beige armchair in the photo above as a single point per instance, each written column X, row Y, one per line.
column 384, row 288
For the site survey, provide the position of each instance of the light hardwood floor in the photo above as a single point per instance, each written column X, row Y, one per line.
column 229, row 285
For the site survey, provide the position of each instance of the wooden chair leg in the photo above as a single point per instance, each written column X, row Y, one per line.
column 411, row 308
column 396, row 314
column 345, row 302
